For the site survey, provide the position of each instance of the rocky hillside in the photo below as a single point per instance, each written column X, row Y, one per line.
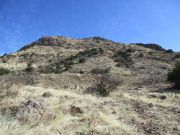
column 59, row 85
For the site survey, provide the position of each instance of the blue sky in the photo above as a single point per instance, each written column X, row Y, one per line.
column 147, row 21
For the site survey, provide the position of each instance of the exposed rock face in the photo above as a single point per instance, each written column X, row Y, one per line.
column 31, row 111
column 49, row 41
column 152, row 46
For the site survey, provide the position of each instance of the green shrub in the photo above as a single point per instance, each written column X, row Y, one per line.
column 174, row 75
column 4, row 71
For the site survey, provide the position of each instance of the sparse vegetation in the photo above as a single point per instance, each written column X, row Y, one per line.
column 4, row 71
column 123, row 59
column 174, row 76
column 66, row 64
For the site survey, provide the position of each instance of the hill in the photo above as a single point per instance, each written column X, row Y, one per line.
column 54, row 86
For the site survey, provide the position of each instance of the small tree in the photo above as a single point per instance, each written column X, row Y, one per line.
column 174, row 75
column 106, row 84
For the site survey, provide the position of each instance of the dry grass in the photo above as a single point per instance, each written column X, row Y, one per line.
column 95, row 117
column 101, row 115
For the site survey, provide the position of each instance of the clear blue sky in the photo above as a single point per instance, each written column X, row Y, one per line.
column 147, row 21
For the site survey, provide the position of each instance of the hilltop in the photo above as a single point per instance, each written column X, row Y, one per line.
column 50, row 86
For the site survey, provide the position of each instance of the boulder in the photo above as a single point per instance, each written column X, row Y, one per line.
column 32, row 111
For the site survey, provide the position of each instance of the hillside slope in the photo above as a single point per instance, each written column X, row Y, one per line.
column 50, row 89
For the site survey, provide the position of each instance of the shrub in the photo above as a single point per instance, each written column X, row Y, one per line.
column 81, row 72
column 169, row 51
column 82, row 60
column 50, row 60
column 47, row 69
column 101, row 51
column 174, row 75
column 105, row 85
column 129, row 50
column 100, row 71
column 29, row 67
column 4, row 71
column 123, row 59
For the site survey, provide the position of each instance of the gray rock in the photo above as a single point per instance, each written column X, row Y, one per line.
column 31, row 111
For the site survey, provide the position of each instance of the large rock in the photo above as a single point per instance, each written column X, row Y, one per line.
column 32, row 111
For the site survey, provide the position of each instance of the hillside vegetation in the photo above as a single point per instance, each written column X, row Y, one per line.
column 90, row 86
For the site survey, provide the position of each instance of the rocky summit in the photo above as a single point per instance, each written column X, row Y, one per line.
column 89, row 86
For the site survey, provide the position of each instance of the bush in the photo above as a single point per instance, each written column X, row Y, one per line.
column 174, row 75
column 82, row 60
column 122, row 58
column 29, row 67
column 169, row 51
column 100, row 71
column 4, row 71
column 101, row 51
column 105, row 85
